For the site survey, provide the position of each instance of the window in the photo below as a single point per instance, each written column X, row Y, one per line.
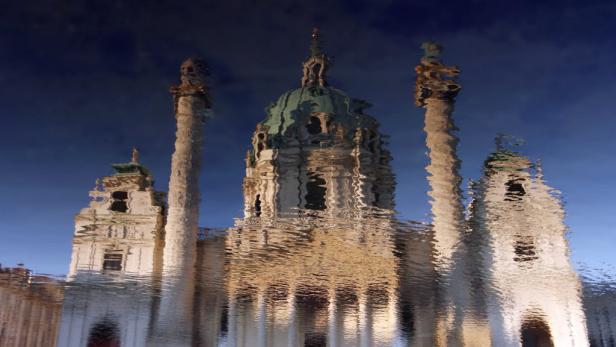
column 258, row 205
column 315, row 192
column 260, row 140
column 515, row 190
column 524, row 248
column 118, row 201
column 314, row 126
column 112, row 261
column 316, row 69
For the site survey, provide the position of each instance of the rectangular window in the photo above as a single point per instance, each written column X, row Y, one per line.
column 524, row 248
column 112, row 261
column 118, row 201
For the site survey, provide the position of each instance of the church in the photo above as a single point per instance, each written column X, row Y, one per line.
column 319, row 258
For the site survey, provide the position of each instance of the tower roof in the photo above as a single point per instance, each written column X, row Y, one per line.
column 506, row 156
column 133, row 167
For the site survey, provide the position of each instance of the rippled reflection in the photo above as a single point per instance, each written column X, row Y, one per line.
column 319, row 257
column 313, row 280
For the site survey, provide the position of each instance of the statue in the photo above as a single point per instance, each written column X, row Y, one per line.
column 134, row 156
column 432, row 50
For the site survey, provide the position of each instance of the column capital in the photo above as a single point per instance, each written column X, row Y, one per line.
column 193, row 78
column 431, row 82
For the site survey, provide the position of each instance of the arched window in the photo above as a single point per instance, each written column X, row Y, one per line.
column 314, row 125
column 260, row 142
column 316, row 69
column 258, row 205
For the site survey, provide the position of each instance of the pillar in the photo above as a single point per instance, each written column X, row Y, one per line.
column 192, row 109
column 437, row 96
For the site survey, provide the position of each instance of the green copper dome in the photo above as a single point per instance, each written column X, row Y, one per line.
column 297, row 104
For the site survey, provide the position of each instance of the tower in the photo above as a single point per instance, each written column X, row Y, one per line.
column 437, row 95
column 316, row 150
column 192, row 108
column 532, row 292
column 117, row 238
column 122, row 228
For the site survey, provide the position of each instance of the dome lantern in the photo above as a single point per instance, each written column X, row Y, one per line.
column 315, row 67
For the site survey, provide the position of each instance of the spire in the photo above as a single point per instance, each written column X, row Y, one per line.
column 315, row 67
column 315, row 47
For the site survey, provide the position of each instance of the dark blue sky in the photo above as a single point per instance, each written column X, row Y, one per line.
column 80, row 84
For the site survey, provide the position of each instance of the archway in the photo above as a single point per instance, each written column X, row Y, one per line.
column 535, row 333
column 105, row 333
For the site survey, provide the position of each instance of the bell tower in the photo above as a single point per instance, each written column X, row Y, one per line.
column 122, row 228
column 520, row 239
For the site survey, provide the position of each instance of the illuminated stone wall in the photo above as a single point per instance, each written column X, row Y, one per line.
column 122, row 227
column 531, row 289
column 29, row 309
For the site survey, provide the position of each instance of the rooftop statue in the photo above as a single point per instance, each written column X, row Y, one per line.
column 134, row 156
column 432, row 50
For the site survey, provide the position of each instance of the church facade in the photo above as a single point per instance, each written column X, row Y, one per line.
column 319, row 194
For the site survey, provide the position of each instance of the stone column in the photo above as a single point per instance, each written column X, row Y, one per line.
column 192, row 109
column 292, row 315
column 332, row 318
column 437, row 96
